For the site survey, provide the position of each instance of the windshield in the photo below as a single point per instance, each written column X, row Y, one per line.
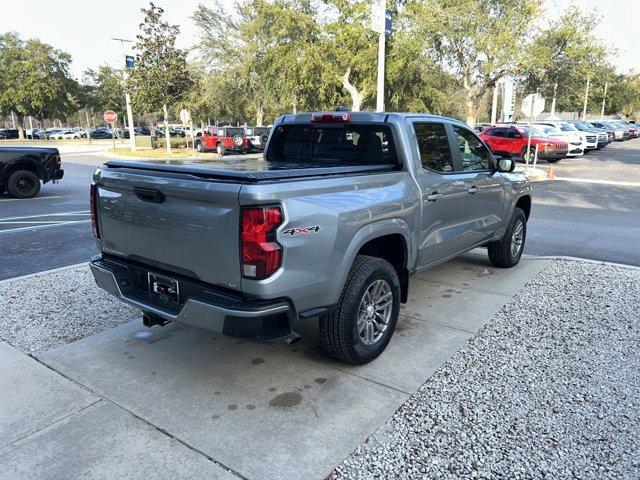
column 536, row 131
column 332, row 145
column 550, row 131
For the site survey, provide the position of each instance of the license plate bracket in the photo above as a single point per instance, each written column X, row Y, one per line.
column 164, row 288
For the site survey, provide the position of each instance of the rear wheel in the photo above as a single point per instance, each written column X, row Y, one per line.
column 23, row 184
column 360, row 328
column 506, row 252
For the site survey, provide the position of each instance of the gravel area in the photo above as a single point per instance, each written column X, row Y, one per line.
column 44, row 311
column 549, row 389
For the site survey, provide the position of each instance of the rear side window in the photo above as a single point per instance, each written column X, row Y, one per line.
column 433, row 144
column 495, row 132
column 332, row 145
column 475, row 156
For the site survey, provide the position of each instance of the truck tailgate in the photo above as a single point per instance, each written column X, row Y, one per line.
column 183, row 224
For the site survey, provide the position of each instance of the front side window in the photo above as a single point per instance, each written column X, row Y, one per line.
column 433, row 144
column 475, row 156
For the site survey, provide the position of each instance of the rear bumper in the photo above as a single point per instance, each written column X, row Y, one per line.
column 204, row 306
column 57, row 174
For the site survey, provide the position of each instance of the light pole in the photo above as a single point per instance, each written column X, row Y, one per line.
column 553, row 101
column 604, row 98
column 127, row 97
column 382, row 10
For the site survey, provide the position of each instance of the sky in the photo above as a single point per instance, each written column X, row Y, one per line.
column 84, row 28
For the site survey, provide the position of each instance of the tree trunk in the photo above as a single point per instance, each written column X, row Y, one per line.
column 471, row 102
column 20, row 128
column 295, row 106
column 356, row 96
column 259, row 113
column 167, row 137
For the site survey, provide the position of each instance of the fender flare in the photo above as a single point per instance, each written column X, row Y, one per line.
column 371, row 231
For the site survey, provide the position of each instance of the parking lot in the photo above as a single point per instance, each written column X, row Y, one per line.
column 97, row 394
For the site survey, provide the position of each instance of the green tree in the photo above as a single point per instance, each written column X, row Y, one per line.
column 566, row 53
column 103, row 90
column 34, row 79
column 161, row 78
column 478, row 41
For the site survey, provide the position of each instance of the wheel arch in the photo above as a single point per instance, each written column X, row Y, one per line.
column 388, row 239
column 524, row 203
column 22, row 164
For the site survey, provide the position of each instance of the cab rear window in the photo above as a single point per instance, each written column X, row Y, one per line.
column 324, row 145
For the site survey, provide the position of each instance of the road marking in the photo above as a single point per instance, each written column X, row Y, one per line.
column 40, row 227
column 27, row 199
column 600, row 182
column 64, row 214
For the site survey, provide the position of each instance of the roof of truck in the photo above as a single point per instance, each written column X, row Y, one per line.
column 364, row 116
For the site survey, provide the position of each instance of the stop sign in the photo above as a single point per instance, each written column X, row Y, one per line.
column 110, row 116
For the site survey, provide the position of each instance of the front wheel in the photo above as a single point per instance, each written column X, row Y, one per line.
column 360, row 328
column 199, row 147
column 553, row 160
column 506, row 252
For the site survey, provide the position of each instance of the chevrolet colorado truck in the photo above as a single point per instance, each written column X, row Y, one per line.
column 330, row 224
column 23, row 168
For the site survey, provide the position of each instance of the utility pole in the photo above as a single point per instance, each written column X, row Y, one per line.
column 382, row 6
column 604, row 98
column 553, row 100
column 127, row 97
column 586, row 99
column 494, row 105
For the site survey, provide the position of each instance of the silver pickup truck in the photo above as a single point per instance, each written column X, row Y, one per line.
column 331, row 223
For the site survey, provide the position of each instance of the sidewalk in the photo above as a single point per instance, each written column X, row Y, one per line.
column 180, row 403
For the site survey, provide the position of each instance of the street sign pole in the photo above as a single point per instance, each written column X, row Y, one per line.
column 529, row 140
column 127, row 97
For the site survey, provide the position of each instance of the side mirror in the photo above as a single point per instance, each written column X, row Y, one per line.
column 506, row 165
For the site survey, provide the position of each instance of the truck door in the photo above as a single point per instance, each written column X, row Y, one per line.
column 210, row 138
column 484, row 189
column 442, row 231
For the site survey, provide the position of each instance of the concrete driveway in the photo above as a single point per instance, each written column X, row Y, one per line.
column 176, row 402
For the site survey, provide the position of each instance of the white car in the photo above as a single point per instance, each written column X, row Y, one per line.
column 64, row 135
column 576, row 140
column 587, row 142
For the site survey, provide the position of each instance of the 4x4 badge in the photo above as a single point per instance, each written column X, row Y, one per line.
column 301, row 230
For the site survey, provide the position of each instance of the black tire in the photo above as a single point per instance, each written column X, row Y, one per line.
column 199, row 146
column 523, row 154
column 553, row 160
column 339, row 329
column 23, row 184
column 220, row 149
column 501, row 253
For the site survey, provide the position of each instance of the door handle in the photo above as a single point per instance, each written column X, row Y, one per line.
column 434, row 197
column 472, row 190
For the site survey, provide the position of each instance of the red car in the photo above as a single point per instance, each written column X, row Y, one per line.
column 511, row 141
column 223, row 139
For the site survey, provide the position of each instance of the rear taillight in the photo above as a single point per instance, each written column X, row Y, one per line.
column 93, row 206
column 57, row 161
column 261, row 254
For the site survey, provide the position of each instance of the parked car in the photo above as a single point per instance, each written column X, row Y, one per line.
column 610, row 130
column 101, row 132
column 511, row 141
column 332, row 224
column 65, row 135
column 257, row 137
column 576, row 139
column 9, row 134
column 479, row 127
column 596, row 138
column 23, row 168
column 137, row 131
column 223, row 140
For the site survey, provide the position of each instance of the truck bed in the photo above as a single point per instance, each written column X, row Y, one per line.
column 246, row 171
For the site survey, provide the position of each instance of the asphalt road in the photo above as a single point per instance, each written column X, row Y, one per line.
column 575, row 218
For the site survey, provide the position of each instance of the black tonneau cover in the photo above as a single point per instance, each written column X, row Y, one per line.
column 249, row 170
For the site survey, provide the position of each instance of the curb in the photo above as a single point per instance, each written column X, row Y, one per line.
column 578, row 259
column 44, row 272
